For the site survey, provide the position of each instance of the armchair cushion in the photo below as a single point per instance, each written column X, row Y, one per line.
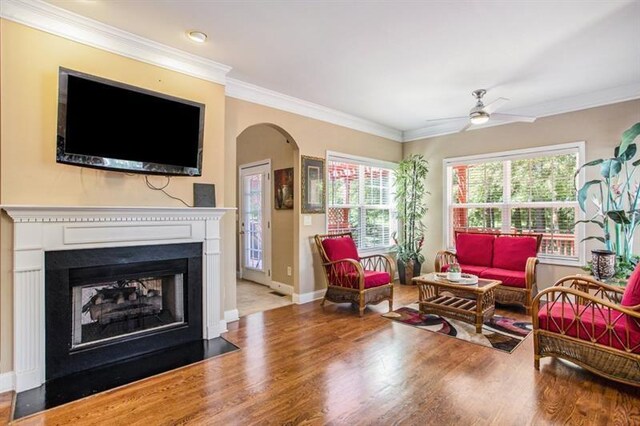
column 468, row 269
column 340, row 248
column 631, row 296
column 561, row 318
column 508, row 277
column 371, row 279
column 512, row 252
column 475, row 249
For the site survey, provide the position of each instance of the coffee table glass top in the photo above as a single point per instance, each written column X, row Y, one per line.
column 432, row 278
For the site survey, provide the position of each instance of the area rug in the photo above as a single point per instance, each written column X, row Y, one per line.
column 502, row 333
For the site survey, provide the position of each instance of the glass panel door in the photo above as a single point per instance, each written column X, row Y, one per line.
column 254, row 226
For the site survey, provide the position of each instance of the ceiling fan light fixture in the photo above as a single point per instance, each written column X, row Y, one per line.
column 479, row 117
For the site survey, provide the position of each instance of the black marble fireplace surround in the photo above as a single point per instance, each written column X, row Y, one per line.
column 69, row 268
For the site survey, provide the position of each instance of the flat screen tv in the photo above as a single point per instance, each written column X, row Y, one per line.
column 108, row 125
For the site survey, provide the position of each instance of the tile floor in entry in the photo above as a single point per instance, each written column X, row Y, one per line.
column 252, row 298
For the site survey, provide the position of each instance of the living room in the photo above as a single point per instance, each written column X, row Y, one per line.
column 316, row 103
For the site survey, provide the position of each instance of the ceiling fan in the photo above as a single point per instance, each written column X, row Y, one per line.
column 481, row 113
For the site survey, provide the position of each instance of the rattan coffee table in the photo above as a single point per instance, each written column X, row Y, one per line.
column 473, row 304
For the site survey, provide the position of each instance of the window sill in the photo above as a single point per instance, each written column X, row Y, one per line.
column 576, row 263
column 372, row 251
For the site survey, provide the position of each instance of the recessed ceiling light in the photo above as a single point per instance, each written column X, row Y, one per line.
column 197, row 36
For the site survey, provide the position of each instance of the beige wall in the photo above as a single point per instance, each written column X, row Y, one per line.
column 313, row 138
column 263, row 142
column 28, row 171
column 600, row 128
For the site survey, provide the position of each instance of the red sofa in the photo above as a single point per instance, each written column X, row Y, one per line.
column 591, row 324
column 510, row 258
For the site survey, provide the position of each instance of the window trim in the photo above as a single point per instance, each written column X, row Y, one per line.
column 557, row 149
column 359, row 160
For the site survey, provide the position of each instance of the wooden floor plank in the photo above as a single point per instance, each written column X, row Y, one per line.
column 305, row 364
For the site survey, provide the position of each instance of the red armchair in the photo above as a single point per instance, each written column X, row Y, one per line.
column 592, row 324
column 510, row 258
column 351, row 278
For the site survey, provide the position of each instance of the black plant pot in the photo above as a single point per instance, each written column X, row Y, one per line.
column 603, row 264
column 409, row 270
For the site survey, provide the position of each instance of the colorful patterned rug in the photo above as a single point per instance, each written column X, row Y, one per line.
column 502, row 333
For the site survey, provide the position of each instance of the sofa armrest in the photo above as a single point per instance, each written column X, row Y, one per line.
column 379, row 262
column 530, row 274
column 444, row 257
column 592, row 286
column 337, row 273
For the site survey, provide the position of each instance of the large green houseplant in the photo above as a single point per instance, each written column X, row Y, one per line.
column 615, row 201
column 410, row 191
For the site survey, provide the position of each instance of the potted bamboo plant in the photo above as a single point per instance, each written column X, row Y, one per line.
column 410, row 191
column 615, row 208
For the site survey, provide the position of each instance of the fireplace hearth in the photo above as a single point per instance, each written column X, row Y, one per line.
column 110, row 304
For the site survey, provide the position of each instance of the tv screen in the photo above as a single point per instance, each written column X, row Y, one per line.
column 114, row 126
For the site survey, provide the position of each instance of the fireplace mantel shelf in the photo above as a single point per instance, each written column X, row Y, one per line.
column 33, row 213
column 39, row 229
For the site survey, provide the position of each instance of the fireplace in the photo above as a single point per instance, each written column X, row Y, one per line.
column 109, row 304
column 39, row 231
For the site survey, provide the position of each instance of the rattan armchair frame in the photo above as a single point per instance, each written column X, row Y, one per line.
column 584, row 294
column 505, row 295
column 340, row 288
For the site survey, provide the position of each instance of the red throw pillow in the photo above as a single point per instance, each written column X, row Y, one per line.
column 340, row 248
column 631, row 296
column 512, row 252
column 474, row 249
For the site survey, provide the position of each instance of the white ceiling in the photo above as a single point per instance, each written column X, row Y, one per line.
column 401, row 63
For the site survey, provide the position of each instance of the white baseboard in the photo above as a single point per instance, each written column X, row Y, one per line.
column 281, row 288
column 7, row 381
column 300, row 299
column 231, row 316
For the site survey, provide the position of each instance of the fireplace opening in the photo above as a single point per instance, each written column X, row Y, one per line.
column 106, row 305
column 119, row 308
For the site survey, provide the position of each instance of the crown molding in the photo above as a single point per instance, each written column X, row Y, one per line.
column 259, row 95
column 553, row 107
column 52, row 19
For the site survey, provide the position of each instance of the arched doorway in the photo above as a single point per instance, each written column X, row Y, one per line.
column 266, row 163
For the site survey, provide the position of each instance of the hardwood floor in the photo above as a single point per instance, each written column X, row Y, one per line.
column 304, row 364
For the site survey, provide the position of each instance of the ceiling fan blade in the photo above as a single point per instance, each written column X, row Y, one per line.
column 465, row 128
column 448, row 118
column 513, row 118
column 495, row 105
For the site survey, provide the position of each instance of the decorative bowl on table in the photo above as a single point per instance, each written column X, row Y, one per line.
column 465, row 279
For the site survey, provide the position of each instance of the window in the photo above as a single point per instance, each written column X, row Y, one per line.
column 360, row 200
column 526, row 191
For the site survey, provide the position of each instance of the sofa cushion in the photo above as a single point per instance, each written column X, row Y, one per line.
column 560, row 317
column 631, row 296
column 509, row 278
column 474, row 249
column 512, row 252
column 371, row 279
column 340, row 248
column 468, row 269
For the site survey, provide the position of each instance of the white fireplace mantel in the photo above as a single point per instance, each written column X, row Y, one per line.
column 38, row 229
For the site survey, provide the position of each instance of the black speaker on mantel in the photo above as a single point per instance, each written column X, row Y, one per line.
column 204, row 195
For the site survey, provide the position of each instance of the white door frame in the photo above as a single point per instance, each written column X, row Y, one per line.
column 256, row 276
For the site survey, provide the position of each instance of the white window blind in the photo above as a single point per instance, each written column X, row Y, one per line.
column 360, row 200
column 529, row 191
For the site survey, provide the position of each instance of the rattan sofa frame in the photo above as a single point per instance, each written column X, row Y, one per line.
column 504, row 294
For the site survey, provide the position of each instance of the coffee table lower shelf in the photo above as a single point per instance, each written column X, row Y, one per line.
column 457, row 308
